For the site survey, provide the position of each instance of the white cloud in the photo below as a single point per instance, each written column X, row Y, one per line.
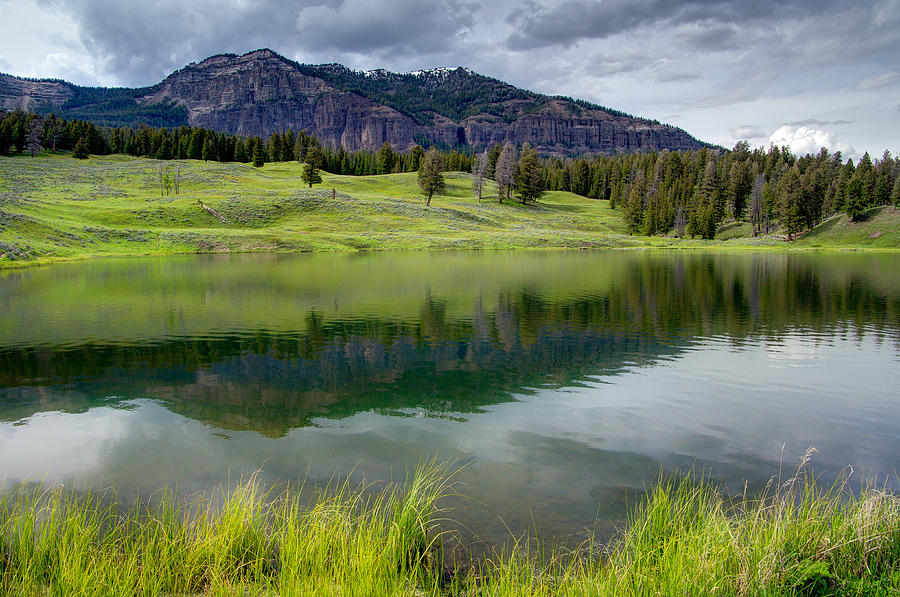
column 803, row 140
column 879, row 81
column 746, row 132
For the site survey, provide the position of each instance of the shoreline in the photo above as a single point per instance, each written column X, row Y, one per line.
column 684, row 536
column 49, row 261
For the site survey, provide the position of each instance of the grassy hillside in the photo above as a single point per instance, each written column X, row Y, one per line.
column 56, row 207
column 879, row 229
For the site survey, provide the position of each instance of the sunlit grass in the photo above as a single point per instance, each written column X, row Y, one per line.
column 348, row 541
column 53, row 207
column 686, row 537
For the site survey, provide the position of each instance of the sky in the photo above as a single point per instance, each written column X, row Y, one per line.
column 804, row 73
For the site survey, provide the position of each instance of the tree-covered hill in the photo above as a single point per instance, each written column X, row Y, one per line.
column 456, row 93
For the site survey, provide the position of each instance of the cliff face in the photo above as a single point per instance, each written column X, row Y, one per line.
column 261, row 92
column 27, row 94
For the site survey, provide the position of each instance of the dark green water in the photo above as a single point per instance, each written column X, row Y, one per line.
column 563, row 381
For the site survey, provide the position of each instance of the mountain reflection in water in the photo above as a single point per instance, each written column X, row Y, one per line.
column 567, row 379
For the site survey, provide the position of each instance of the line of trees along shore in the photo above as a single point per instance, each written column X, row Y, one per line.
column 681, row 192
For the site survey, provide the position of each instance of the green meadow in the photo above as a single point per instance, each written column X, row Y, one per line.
column 54, row 207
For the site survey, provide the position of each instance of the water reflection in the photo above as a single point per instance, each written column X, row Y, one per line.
column 566, row 379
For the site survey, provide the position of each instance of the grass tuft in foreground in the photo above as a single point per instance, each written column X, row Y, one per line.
column 685, row 538
column 348, row 542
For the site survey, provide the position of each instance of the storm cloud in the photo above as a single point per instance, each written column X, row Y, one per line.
column 705, row 65
column 404, row 27
column 716, row 21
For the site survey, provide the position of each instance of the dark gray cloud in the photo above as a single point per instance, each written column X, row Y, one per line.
column 710, row 36
column 574, row 20
column 666, row 76
column 140, row 42
column 399, row 28
column 701, row 64
column 611, row 64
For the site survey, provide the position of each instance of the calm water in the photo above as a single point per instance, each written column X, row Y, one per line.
column 564, row 381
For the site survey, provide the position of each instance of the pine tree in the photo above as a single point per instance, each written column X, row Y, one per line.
column 385, row 159
column 493, row 155
column 309, row 172
column 33, row 139
column 80, row 151
column 240, row 151
column 258, row 160
column 274, row 148
column 314, row 156
column 790, row 205
column 431, row 174
column 770, row 207
column 479, row 170
column 310, row 175
column 195, row 148
column 529, row 182
column 854, row 201
column 581, row 178
column 505, row 171
column 287, row 146
column 209, row 150
column 895, row 194
column 757, row 211
column 415, row 157
column 633, row 210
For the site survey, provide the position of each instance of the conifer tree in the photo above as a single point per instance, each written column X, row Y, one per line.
column 757, row 212
column 415, row 156
column 274, row 148
column 240, row 152
column 314, row 156
column 431, row 174
column 195, row 148
column 80, row 151
column 581, row 178
column 633, row 211
column 505, row 171
column 309, row 172
column 479, row 170
column 33, row 138
column 258, row 160
column 493, row 155
column 209, row 150
column 854, row 201
column 529, row 182
column 790, row 213
column 385, row 159
column 288, row 141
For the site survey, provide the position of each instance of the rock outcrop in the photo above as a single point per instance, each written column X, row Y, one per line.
column 261, row 92
column 28, row 94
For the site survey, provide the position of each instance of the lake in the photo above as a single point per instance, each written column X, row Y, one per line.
column 561, row 382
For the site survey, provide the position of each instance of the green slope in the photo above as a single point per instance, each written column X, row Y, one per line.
column 55, row 207
column 52, row 207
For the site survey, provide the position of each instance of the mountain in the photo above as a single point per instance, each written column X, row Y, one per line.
column 262, row 92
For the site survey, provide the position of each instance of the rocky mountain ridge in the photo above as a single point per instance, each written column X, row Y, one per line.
column 261, row 92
